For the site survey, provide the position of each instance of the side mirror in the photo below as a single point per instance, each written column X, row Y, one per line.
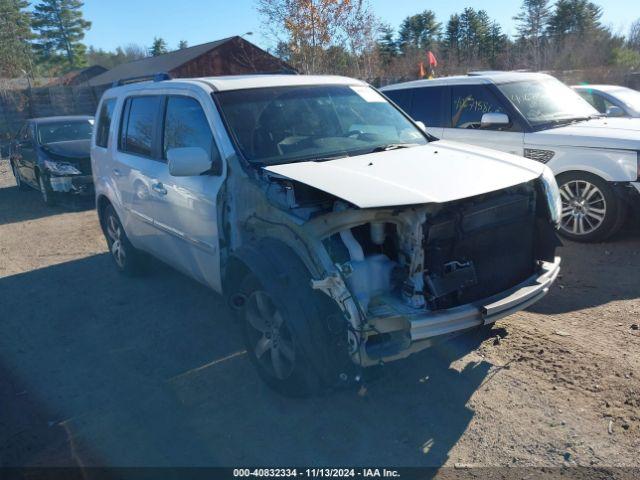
column 188, row 161
column 494, row 119
column 615, row 111
column 422, row 126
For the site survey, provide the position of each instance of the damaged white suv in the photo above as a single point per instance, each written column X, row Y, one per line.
column 341, row 233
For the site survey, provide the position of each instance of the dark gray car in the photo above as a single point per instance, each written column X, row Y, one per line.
column 52, row 155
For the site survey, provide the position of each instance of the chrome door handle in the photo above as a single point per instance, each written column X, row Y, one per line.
column 159, row 188
column 117, row 173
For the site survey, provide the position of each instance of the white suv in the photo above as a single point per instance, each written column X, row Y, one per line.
column 596, row 160
column 342, row 235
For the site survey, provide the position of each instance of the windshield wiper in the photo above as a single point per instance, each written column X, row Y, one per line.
column 393, row 146
column 326, row 159
column 567, row 121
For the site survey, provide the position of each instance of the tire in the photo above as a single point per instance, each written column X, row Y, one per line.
column 19, row 183
column 45, row 191
column 591, row 211
column 128, row 260
column 294, row 339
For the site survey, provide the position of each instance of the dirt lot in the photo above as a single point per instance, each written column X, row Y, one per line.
column 100, row 369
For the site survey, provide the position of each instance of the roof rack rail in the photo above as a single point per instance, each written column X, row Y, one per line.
column 156, row 77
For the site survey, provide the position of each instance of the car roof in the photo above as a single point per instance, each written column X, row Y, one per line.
column 602, row 88
column 66, row 118
column 242, row 82
column 473, row 78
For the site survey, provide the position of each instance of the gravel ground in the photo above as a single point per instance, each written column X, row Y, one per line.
column 98, row 369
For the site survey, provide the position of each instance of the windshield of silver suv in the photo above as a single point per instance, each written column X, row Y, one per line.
column 547, row 102
column 288, row 124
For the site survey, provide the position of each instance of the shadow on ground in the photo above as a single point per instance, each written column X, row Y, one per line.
column 20, row 205
column 107, row 370
column 616, row 263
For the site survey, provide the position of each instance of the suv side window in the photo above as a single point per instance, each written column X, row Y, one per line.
column 402, row 98
column 104, row 123
column 186, row 125
column 428, row 106
column 597, row 101
column 138, row 126
column 470, row 102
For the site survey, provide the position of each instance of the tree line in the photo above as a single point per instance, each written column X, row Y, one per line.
column 346, row 37
column 47, row 40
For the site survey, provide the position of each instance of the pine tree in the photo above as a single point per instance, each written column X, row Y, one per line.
column 419, row 31
column 159, row 47
column 60, row 27
column 15, row 33
column 387, row 46
column 182, row 44
column 532, row 22
column 575, row 17
column 452, row 38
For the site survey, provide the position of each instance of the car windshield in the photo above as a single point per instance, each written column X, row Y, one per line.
column 547, row 102
column 628, row 97
column 53, row 132
column 288, row 124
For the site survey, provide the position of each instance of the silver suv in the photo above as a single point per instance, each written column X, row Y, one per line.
column 341, row 233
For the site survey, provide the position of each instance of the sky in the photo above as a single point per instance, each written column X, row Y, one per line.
column 120, row 22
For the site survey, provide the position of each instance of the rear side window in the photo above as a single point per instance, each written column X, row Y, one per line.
column 402, row 98
column 469, row 103
column 104, row 123
column 427, row 106
column 139, row 124
column 186, row 126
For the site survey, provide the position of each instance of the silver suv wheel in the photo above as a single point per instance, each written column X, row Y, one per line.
column 584, row 207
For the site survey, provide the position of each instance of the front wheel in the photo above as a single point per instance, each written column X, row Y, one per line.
column 16, row 173
column 591, row 211
column 272, row 346
column 45, row 191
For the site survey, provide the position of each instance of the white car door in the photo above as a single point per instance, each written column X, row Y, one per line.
column 134, row 168
column 184, row 208
column 468, row 104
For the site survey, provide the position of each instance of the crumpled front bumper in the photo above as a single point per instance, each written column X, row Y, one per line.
column 428, row 325
column 75, row 184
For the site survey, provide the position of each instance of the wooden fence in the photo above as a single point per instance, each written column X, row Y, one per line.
column 16, row 106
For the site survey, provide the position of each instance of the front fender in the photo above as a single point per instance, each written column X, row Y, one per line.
column 611, row 165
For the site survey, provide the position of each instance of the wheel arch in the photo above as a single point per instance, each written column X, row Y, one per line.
column 590, row 170
column 253, row 258
column 102, row 202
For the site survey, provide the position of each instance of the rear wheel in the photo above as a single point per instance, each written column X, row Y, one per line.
column 127, row 258
column 45, row 191
column 591, row 211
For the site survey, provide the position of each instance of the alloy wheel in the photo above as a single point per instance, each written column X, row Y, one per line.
column 114, row 232
column 271, row 339
column 584, row 207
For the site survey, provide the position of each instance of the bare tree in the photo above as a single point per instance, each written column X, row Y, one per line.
column 633, row 40
column 312, row 32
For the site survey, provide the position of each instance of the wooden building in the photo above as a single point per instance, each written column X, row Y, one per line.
column 229, row 56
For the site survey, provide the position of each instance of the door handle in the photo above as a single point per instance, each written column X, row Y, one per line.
column 117, row 173
column 159, row 188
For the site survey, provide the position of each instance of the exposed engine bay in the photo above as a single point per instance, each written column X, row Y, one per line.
column 400, row 266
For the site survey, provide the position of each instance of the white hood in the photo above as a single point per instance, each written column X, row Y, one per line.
column 439, row 172
column 612, row 133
